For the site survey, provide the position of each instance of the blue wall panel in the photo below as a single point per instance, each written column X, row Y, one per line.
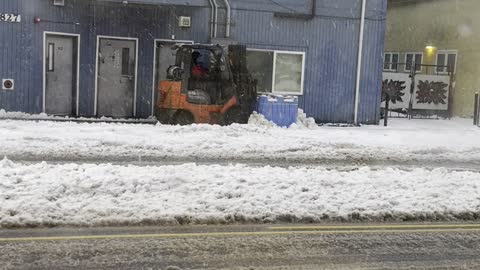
column 11, row 50
column 330, row 41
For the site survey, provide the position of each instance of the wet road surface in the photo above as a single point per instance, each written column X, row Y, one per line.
column 398, row 246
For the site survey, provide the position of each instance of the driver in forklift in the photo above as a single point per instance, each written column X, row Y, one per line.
column 198, row 71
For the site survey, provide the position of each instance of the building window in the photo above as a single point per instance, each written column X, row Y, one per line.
column 51, row 57
column 278, row 72
column 411, row 59
column 446, row 62
column 391, row 61
column 126, row 62
column 260, row 65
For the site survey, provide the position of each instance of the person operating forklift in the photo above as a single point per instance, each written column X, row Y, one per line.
column 198, row 71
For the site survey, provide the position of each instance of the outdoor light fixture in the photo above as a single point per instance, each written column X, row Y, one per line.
column 430, row 49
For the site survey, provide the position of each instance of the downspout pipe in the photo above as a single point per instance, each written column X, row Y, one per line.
column 359, row 62
column 212, row 19
column 215, row 18
column 228, row 19
column 313, row 12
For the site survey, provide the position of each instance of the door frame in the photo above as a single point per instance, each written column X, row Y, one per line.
column 95, row 110
column 155, row 42
column 44, row 76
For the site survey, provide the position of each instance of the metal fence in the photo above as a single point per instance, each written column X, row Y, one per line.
column 402, row 88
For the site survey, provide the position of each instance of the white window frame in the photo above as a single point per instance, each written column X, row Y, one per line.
column 446, row 53
column 391, row 59
column 275, row 53
column 414, row 54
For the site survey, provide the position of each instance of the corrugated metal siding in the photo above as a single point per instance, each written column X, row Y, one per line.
column 330, row 41
column 265, row 5
column 13, row 54
column 146, row 23
column 163, row 2
column 24, row 52
column 68, row 19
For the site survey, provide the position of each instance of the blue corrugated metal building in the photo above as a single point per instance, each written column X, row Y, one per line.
column 326, row 39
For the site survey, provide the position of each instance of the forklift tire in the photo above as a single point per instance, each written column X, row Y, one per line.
column 163, row 117
column 232, row 116
column 183, row 118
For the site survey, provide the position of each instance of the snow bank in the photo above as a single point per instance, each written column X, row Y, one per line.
column 257, row 119
column 43, row 116
column 45, row 194
column 303, row 122
column 415, row 141
column 20, row 115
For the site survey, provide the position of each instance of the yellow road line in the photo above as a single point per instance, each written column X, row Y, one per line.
column 377, row 227
column 228, row 234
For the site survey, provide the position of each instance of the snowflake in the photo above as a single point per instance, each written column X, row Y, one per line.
column 432, row 92
column 394, row 89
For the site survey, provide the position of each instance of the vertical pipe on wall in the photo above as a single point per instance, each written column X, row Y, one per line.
column 314, row 9
column 359, row 61
column 212, row 18
column 228, row 19
column 215, row 19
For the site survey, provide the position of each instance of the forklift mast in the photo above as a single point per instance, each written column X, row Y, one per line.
column 218, row 70
column 226, row 77
column 246, row 86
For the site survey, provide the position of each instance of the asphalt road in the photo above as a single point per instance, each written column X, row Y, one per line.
column 244, row 247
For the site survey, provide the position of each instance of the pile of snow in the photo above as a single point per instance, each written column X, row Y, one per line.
column 257, row 119
column 303, row 122
column 20, row 115
column 43, row 116
column 45, row 194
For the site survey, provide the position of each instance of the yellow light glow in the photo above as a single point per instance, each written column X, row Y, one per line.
column 430, row 50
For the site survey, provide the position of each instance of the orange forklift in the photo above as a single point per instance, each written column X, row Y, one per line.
column 208, row 84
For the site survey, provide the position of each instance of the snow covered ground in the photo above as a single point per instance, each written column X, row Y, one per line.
column 72, row 194
column 40, row 193
column 416, row 141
